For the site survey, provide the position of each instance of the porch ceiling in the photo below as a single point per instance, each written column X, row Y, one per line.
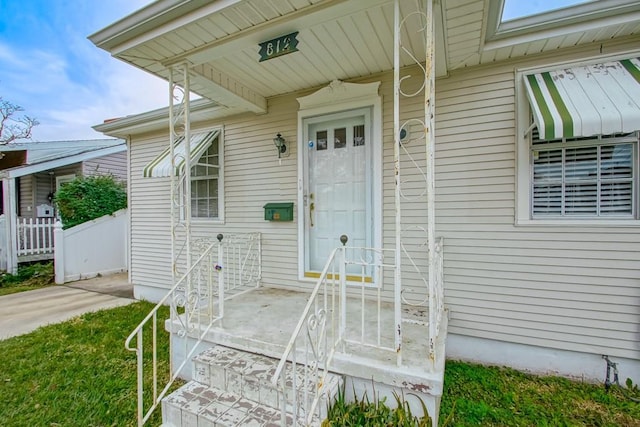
column 338, row 39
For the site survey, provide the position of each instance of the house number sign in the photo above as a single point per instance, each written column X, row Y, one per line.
column 279, row 46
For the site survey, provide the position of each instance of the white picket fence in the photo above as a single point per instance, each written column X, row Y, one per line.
column 4, row 244
column 34, row 240
column 35, row 236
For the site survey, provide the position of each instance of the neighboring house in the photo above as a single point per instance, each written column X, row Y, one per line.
column 31, row 173
column 536, row 170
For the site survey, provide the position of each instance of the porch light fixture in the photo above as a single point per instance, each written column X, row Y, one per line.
column 280, row 144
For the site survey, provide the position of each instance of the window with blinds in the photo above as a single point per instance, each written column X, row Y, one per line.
column 584, row 177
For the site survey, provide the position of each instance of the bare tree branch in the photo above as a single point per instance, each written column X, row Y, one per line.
column 13, row 128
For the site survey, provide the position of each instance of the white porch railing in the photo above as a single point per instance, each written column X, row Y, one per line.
column 316, row 338
column 224, row 269
column 35, row 235
column 349, row 286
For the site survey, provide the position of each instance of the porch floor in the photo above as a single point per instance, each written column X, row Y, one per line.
column 263, row 320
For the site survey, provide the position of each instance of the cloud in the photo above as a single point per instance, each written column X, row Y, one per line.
column 67, row 109
column 127, row 91
column 68, row 84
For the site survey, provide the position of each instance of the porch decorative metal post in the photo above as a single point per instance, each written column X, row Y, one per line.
column 429, row 132
column 397, row 280
column 180, row 192
column 172, row 191
column 187, row 176
column 174, row 218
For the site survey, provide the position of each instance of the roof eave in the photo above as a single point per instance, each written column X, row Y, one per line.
column 154, row 16
column 134, row 23
column 56, row 163
column 201, row 109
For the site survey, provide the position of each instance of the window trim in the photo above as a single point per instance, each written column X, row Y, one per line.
column 220, row 219
column 553, row 22
column 524, row 171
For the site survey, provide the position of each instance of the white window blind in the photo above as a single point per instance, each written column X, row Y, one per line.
column 584, row 177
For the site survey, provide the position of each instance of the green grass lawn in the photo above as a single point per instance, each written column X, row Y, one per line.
column 75, row 373
column 491, row 396
column 78, row 373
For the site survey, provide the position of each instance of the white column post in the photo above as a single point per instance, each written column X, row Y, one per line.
column 397, row 280
column 429, row 131
column 174, row 209
column 187, row 171
column 11, row 217
column 58, row 253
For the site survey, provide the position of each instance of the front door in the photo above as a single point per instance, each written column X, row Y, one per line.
column 338, row 185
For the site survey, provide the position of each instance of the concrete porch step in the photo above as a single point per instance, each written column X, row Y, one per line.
column 233, row 388
column 198, row 405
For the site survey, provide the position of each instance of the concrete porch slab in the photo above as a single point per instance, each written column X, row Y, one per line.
column 263, row 320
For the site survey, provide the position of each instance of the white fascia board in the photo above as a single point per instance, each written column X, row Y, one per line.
column 52, row 164
column 202, row 109
column 153, row 21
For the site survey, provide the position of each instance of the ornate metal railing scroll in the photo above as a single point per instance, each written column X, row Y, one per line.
column 322, row 329
column 300, row 375
column 419, row 276
column 222, row 270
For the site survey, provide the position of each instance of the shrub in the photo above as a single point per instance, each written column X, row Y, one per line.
column 29, row 275
column 87, row 198
column 364, row 413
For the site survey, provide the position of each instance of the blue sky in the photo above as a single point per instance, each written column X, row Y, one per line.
column 518, row 8
column 50, row 68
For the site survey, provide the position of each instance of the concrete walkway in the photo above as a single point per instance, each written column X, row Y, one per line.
column 25, row 311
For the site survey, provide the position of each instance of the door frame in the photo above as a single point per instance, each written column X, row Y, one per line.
column 335, row 98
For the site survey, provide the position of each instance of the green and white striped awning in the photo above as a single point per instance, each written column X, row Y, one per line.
column 161, row 165
column 596, row 99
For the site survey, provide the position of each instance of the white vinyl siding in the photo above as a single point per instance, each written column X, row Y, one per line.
column 252, row 177
column 149, row 213
column 112, row 164
column 573, row 288
column 26, row 189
